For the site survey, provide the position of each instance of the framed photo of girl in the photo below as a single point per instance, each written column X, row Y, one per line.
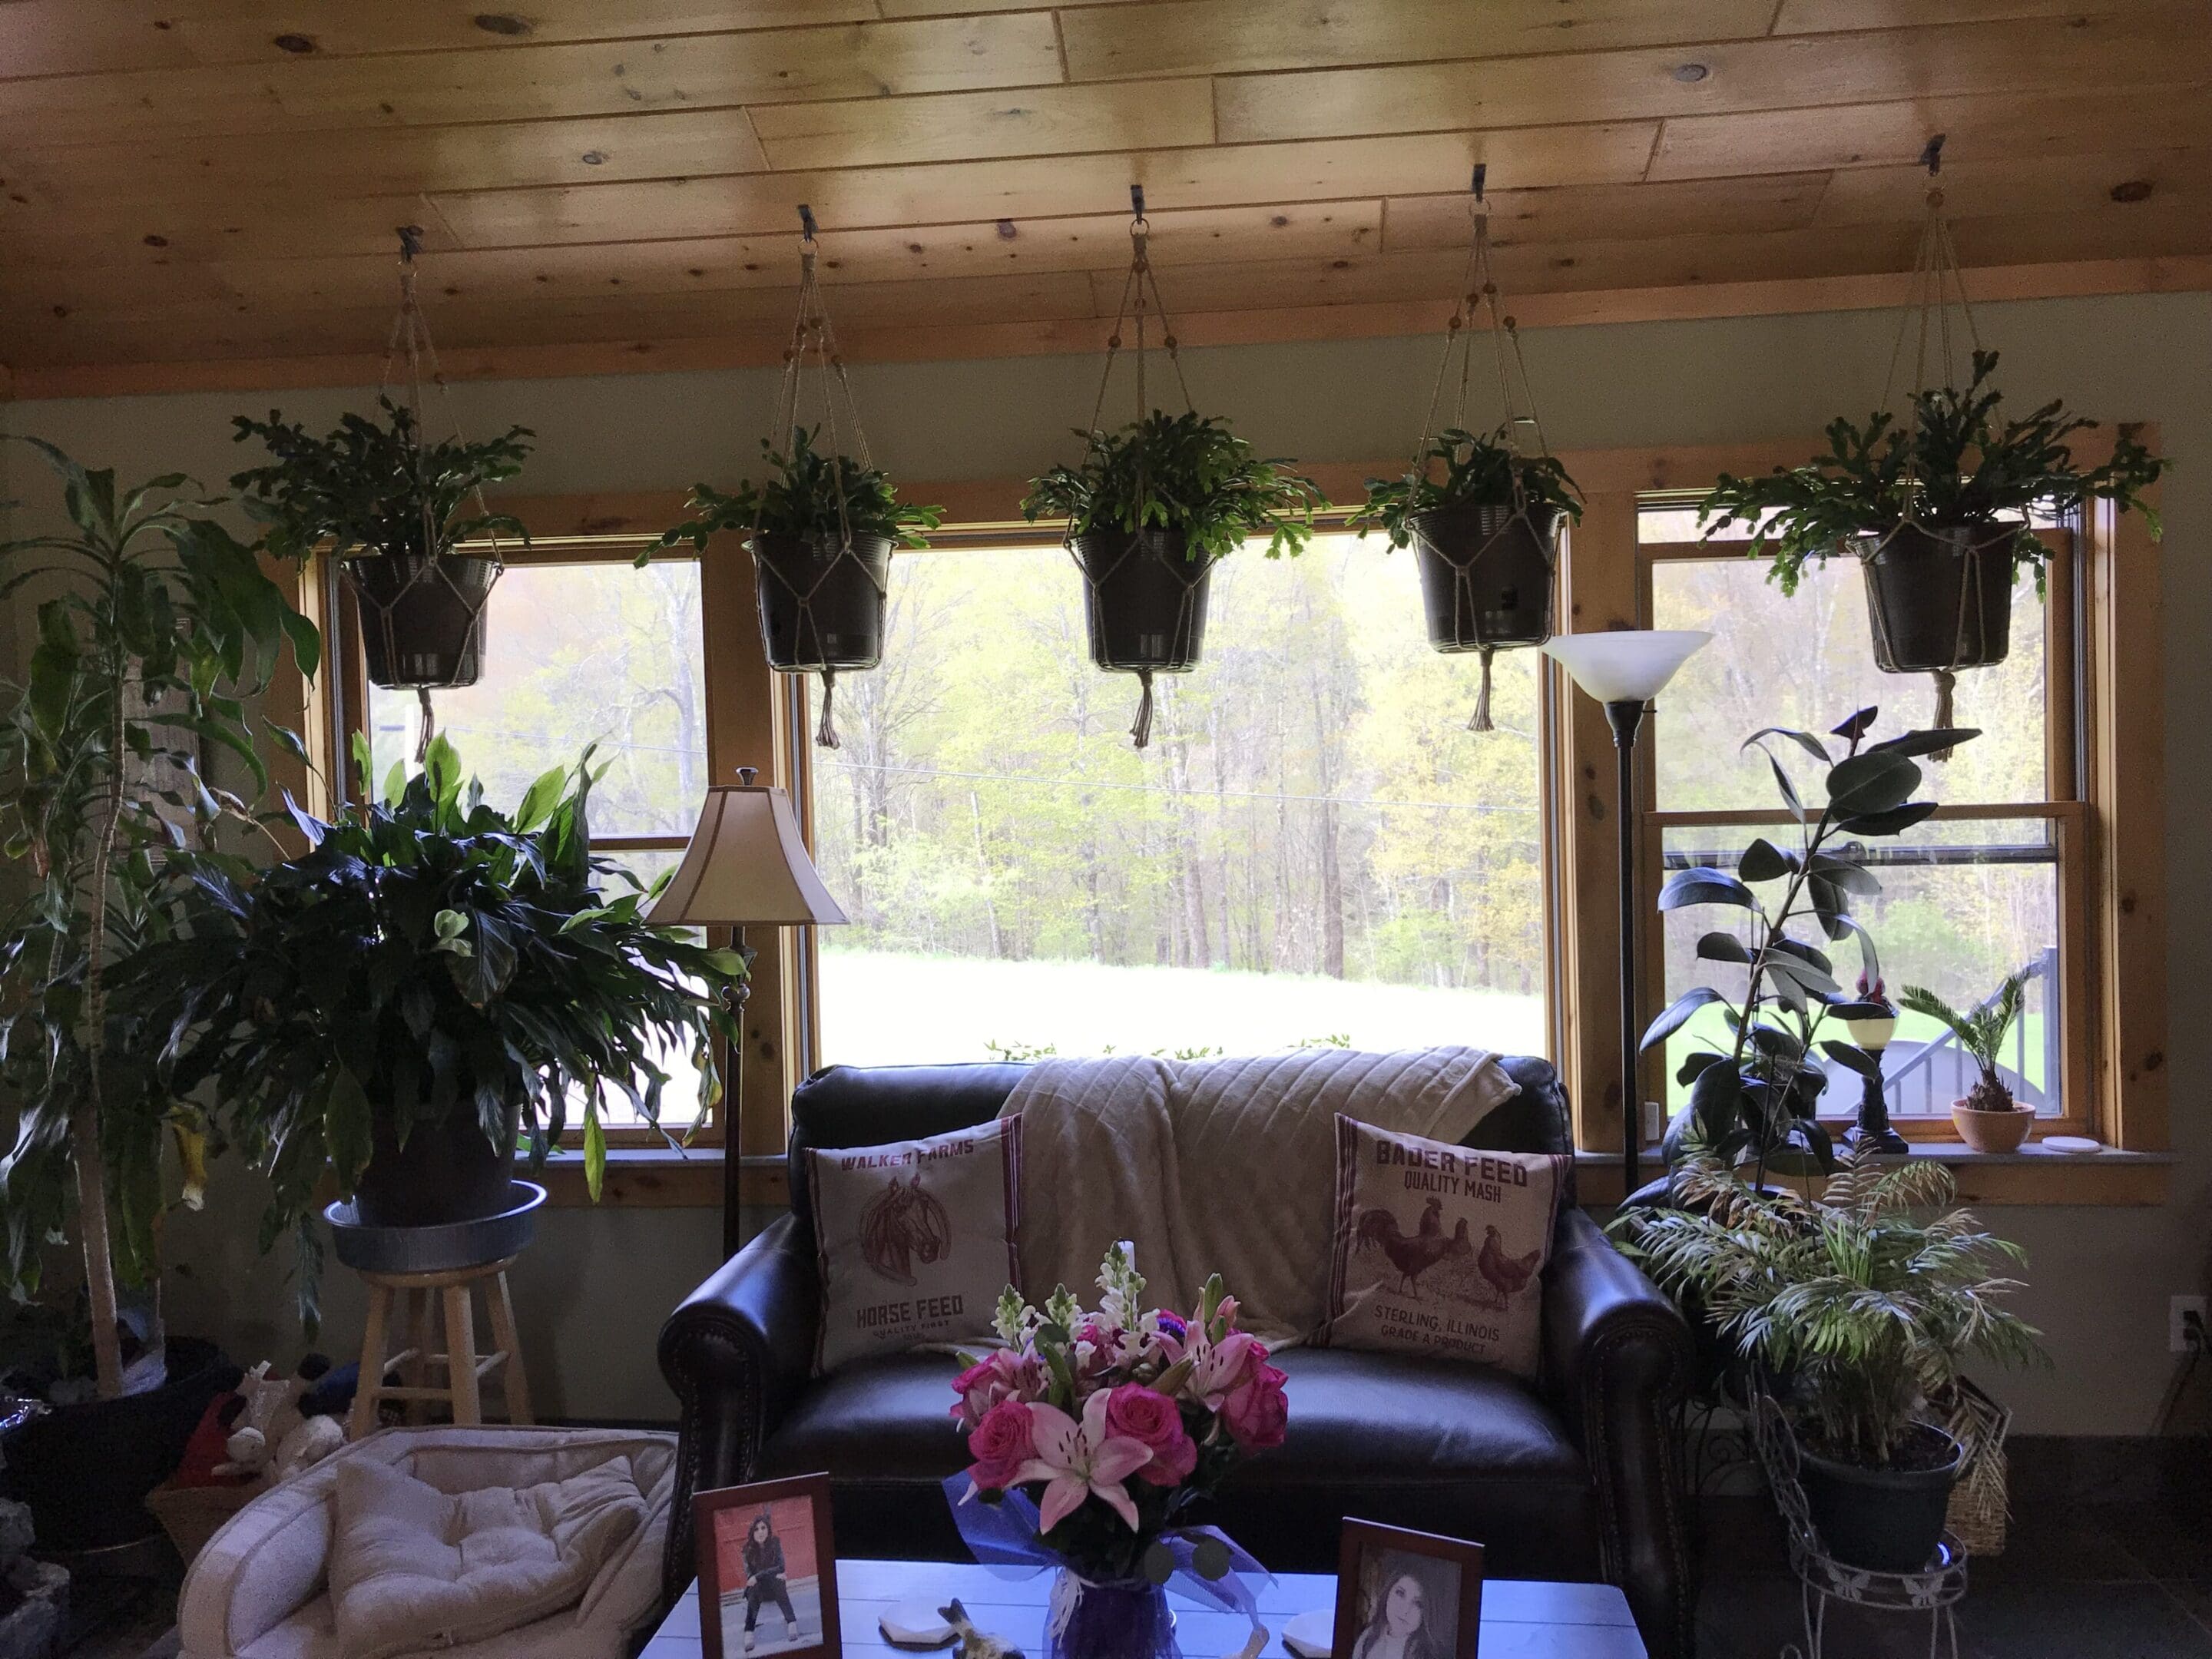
column 767, row 1571
column 1405, row 1595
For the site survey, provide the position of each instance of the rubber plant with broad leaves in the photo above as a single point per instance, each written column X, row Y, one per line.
column 430, row 970
column 1755, row 1085
column 1959, row 463
column 157, row 625
column 389, row 507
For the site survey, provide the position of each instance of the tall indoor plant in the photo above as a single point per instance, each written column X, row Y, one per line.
column 821, row 529
column 432, row 979
column 1936, row 512
column 389, row 506
column 1151, row 508
column 1859, row 1308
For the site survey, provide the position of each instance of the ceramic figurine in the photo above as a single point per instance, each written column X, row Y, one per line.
column 974, row 1643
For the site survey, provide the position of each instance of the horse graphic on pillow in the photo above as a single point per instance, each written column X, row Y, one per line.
column 903, row 1224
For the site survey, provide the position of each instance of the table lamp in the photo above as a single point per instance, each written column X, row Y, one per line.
column 1625, row 669
column 1872, row 1023
column 746, row 866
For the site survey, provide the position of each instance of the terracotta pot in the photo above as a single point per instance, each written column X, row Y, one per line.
column 1991, row 1132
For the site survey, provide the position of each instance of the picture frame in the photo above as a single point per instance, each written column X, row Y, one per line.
column 1404, row 1594
column 768, row 1563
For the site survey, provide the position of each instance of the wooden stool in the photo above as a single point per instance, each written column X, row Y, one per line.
column 464, row 1370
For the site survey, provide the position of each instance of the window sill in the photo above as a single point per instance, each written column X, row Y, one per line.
column 649, row 1177
column 2030, row 1176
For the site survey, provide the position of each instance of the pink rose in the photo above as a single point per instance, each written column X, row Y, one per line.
column 999, row 1375
column 1255, row 1412
column 1155, row 1422
column 1000, row 1445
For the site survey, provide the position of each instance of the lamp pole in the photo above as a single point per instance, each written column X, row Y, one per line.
column 1625, row 716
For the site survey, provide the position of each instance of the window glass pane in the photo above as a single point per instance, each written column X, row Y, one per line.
column 1963, row 904
column 1313, row 847
column 578, row 654
column 1806, row 662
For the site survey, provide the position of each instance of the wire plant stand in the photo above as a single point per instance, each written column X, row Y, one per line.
column 1935, row 1591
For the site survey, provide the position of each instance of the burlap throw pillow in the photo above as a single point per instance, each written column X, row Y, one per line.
column 915, row 1239
column 1440, row 1250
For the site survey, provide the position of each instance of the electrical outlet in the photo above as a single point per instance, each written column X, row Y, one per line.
column 1654, row 1122
column 2181, row 1312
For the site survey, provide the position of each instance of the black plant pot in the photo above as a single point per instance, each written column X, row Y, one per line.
column 1887, row 1519
column 85, row 1470
column 820, row 607
column 1144, row 598
column 1487, row 575
column 422, row 623
column 447, row 1172
column 1938, row 599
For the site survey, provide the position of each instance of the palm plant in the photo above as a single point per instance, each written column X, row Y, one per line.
column 1981, row 1033
column 1863, row 1303
column 158, row 624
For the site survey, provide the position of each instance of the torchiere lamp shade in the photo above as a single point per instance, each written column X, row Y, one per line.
column 1624, row 665
column 746, row 864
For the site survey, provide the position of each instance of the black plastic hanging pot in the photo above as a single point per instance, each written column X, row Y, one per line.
column 821, row 604
column 1888, row 1519
column 1486, row 573
column 1144, row 600
column 422, row 620
column 1939, row 598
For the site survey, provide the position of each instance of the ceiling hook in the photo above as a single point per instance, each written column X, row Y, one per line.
column 1137, row 203
column 1932, row 157
column 806, row 229
column 411, row 243
column 1481, row 177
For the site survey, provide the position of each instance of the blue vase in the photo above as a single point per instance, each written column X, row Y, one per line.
column 1127, row 1618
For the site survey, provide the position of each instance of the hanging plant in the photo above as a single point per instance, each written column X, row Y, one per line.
column 1486, row 532
column 821, row 526
column 1936, row 512
column 1152, row 507
column 821, row 611
column 389, row 506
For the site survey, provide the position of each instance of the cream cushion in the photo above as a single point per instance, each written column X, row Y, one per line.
column 260, row 1589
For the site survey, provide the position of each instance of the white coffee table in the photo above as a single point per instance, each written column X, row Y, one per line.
column 1521, row 1619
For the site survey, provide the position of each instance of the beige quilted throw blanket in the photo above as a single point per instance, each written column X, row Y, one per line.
column 1225, row 1166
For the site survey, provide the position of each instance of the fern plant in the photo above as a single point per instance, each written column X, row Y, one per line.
column 1478, row 469
column 1185, row 472
column 1864, row 1303
column 1959, row 463
column 1981, row 1033
column 801, row 496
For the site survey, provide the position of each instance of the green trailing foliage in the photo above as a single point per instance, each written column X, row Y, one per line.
column 1753, row 1101
column 428, row 958
column 799, row 497
column 1185, row 472
column 1478, row 469
column 1860, row 1305
column 157, row 625
column 1960, row 463
column 371, row 487
column 1981, row 1033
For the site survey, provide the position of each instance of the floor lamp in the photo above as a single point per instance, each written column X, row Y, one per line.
column 746, row 866
column 1625, row 669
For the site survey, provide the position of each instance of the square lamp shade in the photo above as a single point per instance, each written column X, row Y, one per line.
column 1624, row 665
column 746, row 864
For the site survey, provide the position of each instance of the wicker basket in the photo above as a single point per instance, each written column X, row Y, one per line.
column 1980, row 1506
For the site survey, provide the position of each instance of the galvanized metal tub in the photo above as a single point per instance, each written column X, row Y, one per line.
column 437, row 1249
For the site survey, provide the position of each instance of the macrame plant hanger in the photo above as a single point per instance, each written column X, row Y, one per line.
column 1479, row 298
column 1140, row 301
column 1937, row 285
column 411, row 335
column 814, row 340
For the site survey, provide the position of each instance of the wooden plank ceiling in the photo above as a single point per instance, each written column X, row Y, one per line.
column 216, row 182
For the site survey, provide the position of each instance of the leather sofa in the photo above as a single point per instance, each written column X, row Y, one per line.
column 1577, row 1478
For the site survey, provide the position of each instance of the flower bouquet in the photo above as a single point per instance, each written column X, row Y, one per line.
column 1092, row 1433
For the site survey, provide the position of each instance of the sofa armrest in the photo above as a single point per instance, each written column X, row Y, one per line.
column 1617, row 1360
column 736, row 1352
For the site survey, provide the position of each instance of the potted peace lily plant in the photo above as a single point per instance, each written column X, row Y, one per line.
column 1093, row 1432
column 821, row 529
column 389, row 507
column 1484, row 520
column 154, row 625
column 1151, row 509
column 431, row 981
column 1936, row 512
column 1990, row 1120
column 1857, row 1310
